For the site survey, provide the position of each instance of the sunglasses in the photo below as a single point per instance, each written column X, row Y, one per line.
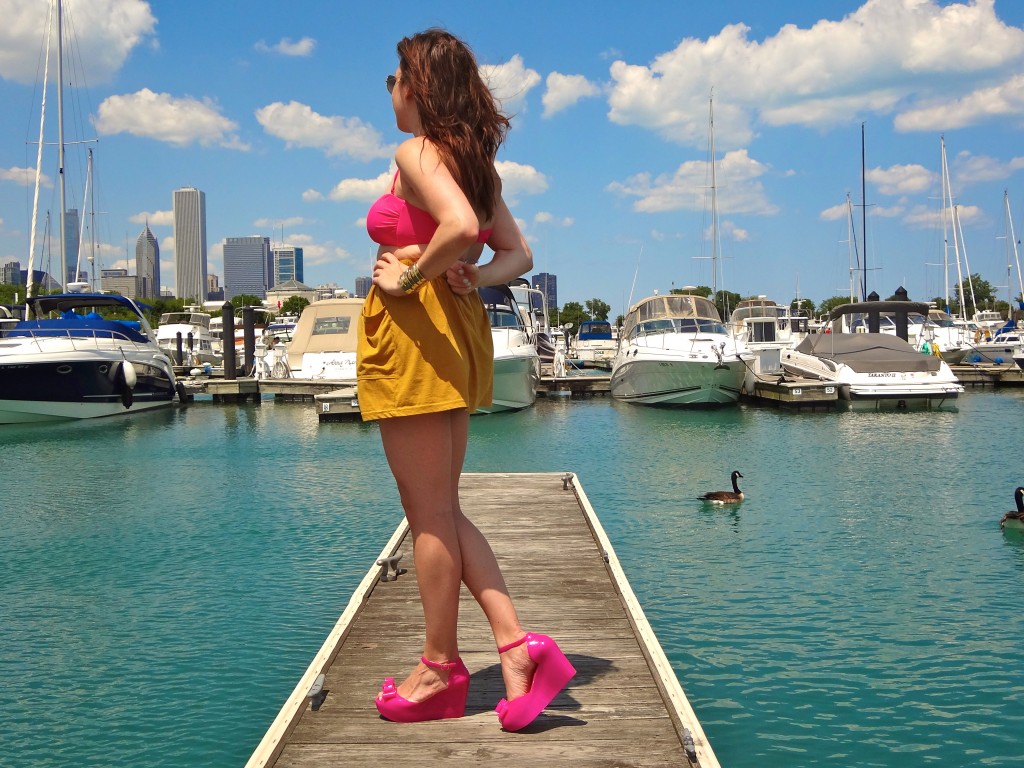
column 390, row 81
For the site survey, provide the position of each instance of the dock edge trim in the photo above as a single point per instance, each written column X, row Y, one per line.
column 680, row 711
column 273, row 741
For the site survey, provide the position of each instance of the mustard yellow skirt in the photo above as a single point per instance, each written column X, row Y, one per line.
column 423, row 353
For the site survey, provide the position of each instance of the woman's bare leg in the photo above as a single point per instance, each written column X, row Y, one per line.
column 419, row 450
column 482, row 575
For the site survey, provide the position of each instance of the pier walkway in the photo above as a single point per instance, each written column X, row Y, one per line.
column 625, row 706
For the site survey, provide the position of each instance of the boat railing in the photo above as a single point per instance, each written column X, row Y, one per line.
column 82, row 338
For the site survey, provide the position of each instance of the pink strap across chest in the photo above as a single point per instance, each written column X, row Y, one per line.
column 394, row 221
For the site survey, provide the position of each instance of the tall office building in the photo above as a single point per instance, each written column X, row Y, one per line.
column 548, row 285
column 246, row 262
column 71, row 244
column 287, row 264
column 190, row 244
column 12, row 273
column 363, row 286
column 147, row 263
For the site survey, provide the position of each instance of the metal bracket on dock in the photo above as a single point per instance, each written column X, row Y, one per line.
column 567, row 481
column 392, row 563
column 317, row 692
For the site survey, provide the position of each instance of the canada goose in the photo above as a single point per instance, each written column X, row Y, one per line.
column 735, row 496
column 1015, row 519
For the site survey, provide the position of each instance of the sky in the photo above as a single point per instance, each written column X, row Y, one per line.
column 279, row 113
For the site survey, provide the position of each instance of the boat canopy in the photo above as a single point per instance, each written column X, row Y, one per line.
column 673, row 306
column 62, row 302
column 869, row 352
column 757, row 308
column 329, row 325
column 595, row 329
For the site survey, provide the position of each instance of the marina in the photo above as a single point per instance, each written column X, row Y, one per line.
column 563, row 572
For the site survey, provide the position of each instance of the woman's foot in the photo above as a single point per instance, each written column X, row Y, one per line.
column 517, row 670
column 443, row 693
column 422, row 683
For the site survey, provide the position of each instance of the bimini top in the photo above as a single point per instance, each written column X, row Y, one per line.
column 62, row 302
column 595, row 329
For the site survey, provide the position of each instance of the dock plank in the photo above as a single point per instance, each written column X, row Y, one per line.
column 624, row 707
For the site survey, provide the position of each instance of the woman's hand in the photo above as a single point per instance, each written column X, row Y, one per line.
column 386, row 272
column 463, row 278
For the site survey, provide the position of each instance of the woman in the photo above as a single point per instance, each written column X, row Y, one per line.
column 426, row 363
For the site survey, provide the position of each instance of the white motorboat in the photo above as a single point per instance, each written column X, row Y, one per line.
column 516, row 360
column 766, row 329
column 80, row 364
column 197, row 343
column 322, row 346
column 533, row 306
column 675, row 351
column 874, row 369
column 594, row 345
column 999, row 351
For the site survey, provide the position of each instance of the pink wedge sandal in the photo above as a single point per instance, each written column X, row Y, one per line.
column 451, row 702
column 552, row 674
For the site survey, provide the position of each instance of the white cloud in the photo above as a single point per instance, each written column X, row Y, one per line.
column 26, row 177
column 902, row 179
column 739, row 190
column 154, row 218
column 968, row 168
column 160, row 116
column 922, row 217
column 518, row 179
column 365, row 190
column 729, row 230
column 510, row 82
column 299, row 126
column 544, row 217
column 563, row 91
column 911, row 58
column 288, row 47
column 106, row 32
column 835, row 213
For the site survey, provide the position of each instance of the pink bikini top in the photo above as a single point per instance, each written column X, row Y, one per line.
column 393, row 221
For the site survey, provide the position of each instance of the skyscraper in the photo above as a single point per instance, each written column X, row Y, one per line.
column 71, row 244
column 548, row 285
column 363, row 286
column 190, row 244
column 245, row 266
column 287, row 264
column 147, row 263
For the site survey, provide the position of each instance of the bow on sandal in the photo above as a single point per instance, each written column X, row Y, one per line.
column 552, row 674
column 450, row 702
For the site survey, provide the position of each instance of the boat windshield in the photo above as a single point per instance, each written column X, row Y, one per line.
column 671, row 307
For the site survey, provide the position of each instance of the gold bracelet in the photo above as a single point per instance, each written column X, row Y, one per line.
column 411, row 280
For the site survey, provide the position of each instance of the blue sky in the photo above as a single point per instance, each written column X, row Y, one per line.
column 278, row 112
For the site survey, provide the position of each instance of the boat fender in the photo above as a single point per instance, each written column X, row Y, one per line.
column 121, row 382
column 182, row 392
column 131, row 378
column 926, row 348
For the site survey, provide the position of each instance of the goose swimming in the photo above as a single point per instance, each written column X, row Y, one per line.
column 1015, row 519
column 735, row 496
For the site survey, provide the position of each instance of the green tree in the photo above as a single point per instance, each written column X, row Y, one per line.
column 831, row 303
column 246, row 300
column 598, row 309
column 700, row 290
column 984, row 294
column 725, row 302
column 294, row 305
column 802, row 306
column 574, row 313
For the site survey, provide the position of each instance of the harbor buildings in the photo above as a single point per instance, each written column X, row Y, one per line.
column 147, row 263
column 248, row 266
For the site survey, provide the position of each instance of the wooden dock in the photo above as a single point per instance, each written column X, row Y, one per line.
column 625, row 706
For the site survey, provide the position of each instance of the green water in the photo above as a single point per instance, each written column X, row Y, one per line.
column 166, row 579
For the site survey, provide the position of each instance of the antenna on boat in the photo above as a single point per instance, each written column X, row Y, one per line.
column 635, row 273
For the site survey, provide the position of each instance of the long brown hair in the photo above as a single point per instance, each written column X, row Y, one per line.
column 456, row 110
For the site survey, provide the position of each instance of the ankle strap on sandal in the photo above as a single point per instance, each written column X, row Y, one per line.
column 514, row 643
column 446, row 666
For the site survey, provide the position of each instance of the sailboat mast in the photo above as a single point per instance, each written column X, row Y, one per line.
column 863, row 217
column 1016, row 259
column 714, row 203
column 92, row 226
column 60, row 143
column 39, row 162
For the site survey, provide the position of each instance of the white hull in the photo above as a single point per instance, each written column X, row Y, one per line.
column 663, row 380
column 516, row 375
column 27, row 412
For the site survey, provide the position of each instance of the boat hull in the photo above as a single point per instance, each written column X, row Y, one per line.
column 515, row 382
column 680, row 383
column 63, row 388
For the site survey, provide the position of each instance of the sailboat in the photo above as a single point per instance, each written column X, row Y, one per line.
column 675, row 350
column 66, row 360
